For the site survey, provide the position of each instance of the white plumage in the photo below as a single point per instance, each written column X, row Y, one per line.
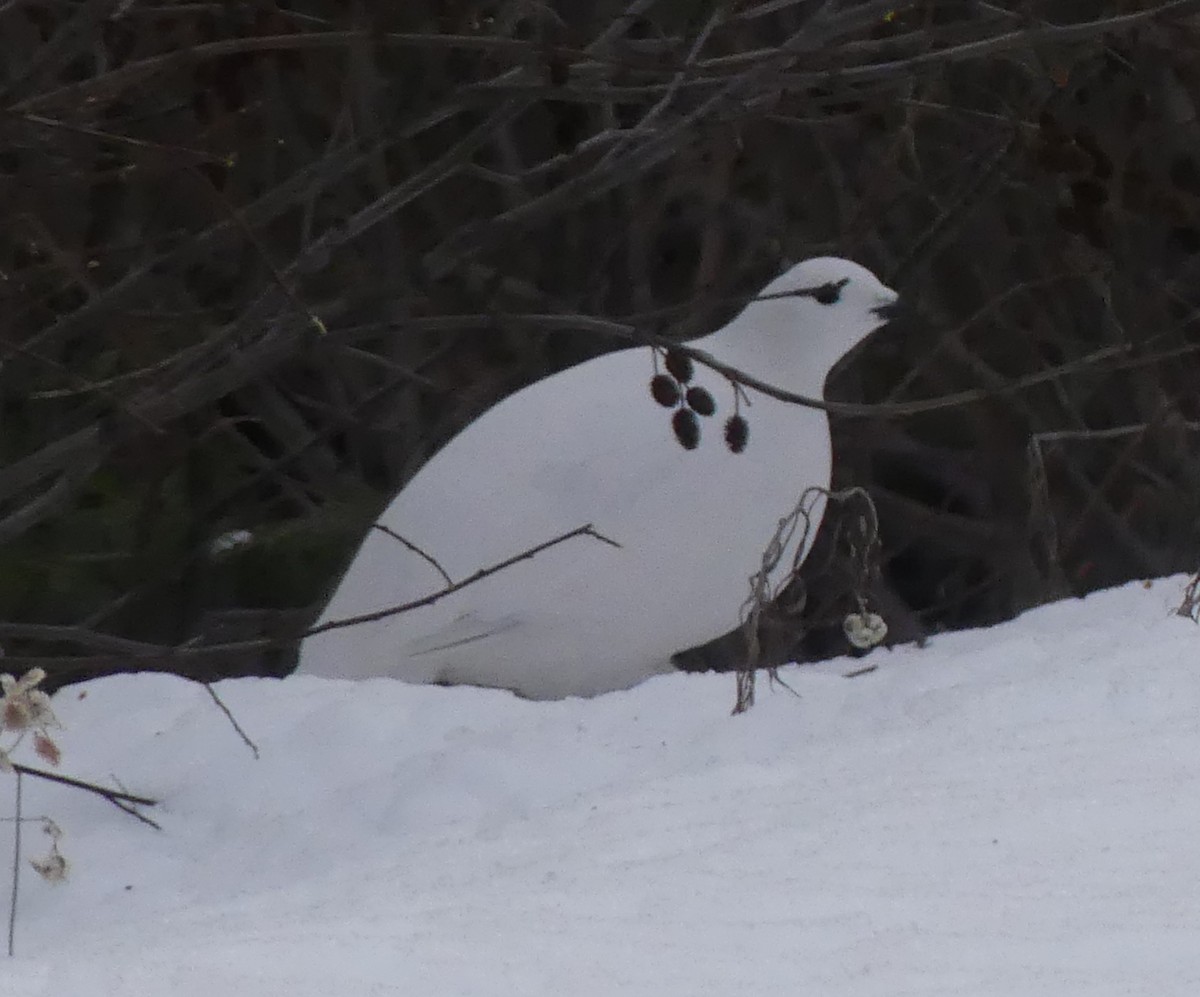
column 590, row 445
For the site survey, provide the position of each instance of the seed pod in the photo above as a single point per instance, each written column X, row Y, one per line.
column 687, row 428
column 680, row 365
column 665, row 390
column 700, row 401
column 864, row 630
column 737, row 433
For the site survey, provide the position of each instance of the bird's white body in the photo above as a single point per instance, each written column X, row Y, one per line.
column 590, row 446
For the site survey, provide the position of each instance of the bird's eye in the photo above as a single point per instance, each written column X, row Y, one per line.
column 828, row 294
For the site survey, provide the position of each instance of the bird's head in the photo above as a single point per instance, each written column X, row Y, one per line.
column 851, row 292
column 803, row 322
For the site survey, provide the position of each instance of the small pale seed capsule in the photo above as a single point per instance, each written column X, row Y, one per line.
column 864, row 630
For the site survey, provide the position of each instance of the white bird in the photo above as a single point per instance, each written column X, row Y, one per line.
column 590, row 445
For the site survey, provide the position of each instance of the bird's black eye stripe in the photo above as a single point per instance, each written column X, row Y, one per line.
column 828, row 294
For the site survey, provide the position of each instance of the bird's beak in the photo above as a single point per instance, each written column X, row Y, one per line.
column 889, row 310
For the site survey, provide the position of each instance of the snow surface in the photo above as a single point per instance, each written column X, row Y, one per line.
column 589, row 445
column 1012, row 811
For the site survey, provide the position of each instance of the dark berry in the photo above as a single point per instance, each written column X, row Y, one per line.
column 687, row 428
column 700, row 401
column 737, row 433
column 680, row 365
column 665, row 390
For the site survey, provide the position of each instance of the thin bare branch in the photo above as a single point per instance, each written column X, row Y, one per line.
column 478, row 576
column 232, row 719
column 16, row 868
column 428, row 558
column 112, row 795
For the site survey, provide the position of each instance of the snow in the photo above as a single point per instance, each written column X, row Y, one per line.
column 590, row 446
column 1010, row 811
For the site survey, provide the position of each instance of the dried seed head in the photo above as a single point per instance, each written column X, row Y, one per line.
column 46, row 749
column 700, row 401
column 737, row 433
column 53, row 868
column 16, row 714
column 680, row 366
column 864, row 630
column 39, row 703
column 10, row 686
column 23, row 705
column 687, row 428
column 665, row 390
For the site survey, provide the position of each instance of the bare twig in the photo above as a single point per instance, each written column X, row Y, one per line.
column 264, row 254
column 16, row 868
column 1190, row 606
column 1116, row 357
column 380, row 614
column 177, row 658
column 652, row 115
column 415, row 549
column 774, row 678
column 762, row 591
column 78, row 636
column 136, row 814
column 231, row 718
column 795, row 532
column 112, row 795
column 197, row 155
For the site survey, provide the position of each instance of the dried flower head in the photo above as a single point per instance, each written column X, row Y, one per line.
column 46, row 749
column 10, row 686
column 53, row 868
column 15, row 714
column 23, row 706
column 864, row 630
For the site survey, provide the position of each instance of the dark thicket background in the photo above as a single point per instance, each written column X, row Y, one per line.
column 258, row 260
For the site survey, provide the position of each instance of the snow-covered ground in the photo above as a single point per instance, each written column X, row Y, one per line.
column 1008, row 811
